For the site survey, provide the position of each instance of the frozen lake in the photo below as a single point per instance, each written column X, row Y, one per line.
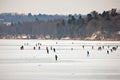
column 74, row 62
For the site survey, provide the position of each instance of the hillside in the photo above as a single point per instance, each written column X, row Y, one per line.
column 93, row 26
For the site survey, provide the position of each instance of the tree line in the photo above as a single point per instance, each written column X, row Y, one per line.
column 107, row 23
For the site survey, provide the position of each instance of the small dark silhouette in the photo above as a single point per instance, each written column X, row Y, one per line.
column 88, row 53
column 39, row 47
column 54, row 49
column 39, row 44
column 99, row 48
column 25, row 44
column 56, row 57
column 51, row 48
column 103, row 47
column 107, row 52
column 47, row 49
column 34, row 48
column 71, row 48
column 92, row 47
column 22, row 47
column 114, row 48
column 111, row 50
column 36, row 45
column 83, row 46
column 56, row 42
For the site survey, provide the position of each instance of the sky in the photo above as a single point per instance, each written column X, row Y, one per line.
column 57, row 6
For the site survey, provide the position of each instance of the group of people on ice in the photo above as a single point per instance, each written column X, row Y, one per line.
column 114, row 48
column 48, row 48
column 38, row 47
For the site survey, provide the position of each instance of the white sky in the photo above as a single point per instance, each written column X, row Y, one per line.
column 57, row 6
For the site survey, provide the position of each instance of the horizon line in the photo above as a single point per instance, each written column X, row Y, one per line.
column 26, row 13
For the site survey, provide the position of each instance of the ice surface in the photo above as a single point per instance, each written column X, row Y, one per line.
column 73, row 62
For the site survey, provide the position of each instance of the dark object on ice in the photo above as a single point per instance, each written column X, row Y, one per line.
column 103, row 47
column 46, row 47
column 47, row 51
column 22, row 47
column 114, row 48
column 88, row 53
column 107, row 52
column 99, row 48
column 39, row 44
column 92, row 47
column 56, row 57
column 39, row 47
column 25, row 44
column 54, row 50
column 34, row 47
column 111, row 50
column 71, row 48
column 83, row 46
column 51, row 48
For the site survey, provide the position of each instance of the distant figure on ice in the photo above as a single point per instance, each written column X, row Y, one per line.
column 88, row 53
column 107, row 52
column 103, row 47
column 56, row 57
column 99, row 48
column 114, row 48
column 111, row 50
column 22, row 47
column 51, row 47
column 71, row 49
column 83, row 46
column 56, row 42
column 54, row 50
column 47, row 49
column 117, row 46
column 39, row 47
column 92, row 47
column 34, row 48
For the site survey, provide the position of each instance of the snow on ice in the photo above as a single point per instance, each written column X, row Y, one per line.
column 76, row 60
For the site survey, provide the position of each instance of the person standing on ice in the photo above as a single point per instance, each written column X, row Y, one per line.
column 56, row 57
column 54, row 50
column 51, row 47
column 47, row 49
column 22, row 47
column 107, row 52
column 88, row 53
column 34, row 48
column 39, row 47
column 92, row 47
column 83, row 46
